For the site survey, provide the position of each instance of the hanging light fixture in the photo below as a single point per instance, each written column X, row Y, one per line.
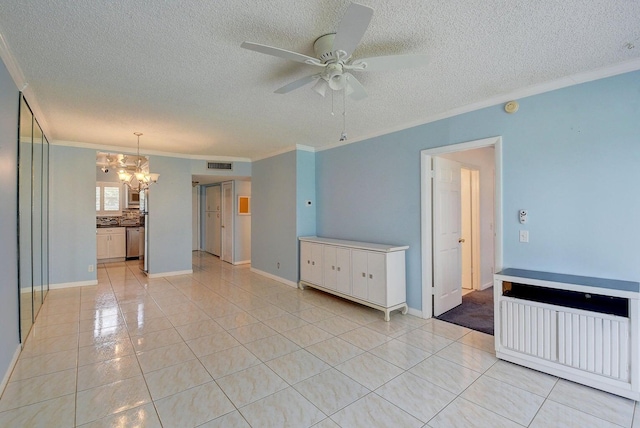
column 139, row 180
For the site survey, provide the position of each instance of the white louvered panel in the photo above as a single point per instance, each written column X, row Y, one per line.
column 594, row 344
column 528, row 329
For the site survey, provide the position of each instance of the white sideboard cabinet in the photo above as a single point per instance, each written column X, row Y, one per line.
column 370, row 274
column 579, row 328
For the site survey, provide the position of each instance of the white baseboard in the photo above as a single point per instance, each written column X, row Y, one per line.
column 176, row 273
column 487, row 285
column 7, row 375
column 275, row 278
column 415, row 312
column 243, row 262
column 72, row 284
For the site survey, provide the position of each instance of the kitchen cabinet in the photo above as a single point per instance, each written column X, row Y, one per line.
column 370, row 274
column 111, row 243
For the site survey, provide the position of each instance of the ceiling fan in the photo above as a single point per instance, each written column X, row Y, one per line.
column 333, row 52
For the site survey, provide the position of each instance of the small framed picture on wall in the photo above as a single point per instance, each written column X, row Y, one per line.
column 244, row 205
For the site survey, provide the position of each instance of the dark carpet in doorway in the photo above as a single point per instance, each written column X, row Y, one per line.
column 475, row 312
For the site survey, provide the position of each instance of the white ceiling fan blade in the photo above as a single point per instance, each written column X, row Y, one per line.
column 389, row 63
column 358, row 90
column 352, row 27
column 281, row 53
column 296, row 84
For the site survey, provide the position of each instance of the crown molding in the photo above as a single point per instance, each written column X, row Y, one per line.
column 563, row 82
column 108, row 148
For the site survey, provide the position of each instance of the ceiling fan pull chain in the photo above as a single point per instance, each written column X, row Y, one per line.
column 332, row 114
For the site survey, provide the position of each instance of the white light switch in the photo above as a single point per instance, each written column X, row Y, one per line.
column 524, row 236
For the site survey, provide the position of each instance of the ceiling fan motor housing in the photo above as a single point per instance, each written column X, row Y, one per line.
column 323, row 47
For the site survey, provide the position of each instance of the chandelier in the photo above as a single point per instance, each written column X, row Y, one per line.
column 139, row 180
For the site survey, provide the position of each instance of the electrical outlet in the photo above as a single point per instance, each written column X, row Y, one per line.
column 90, row 268
column 524, row 236
column 278, row 265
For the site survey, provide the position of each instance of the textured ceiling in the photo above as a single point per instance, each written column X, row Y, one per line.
column 174, row 70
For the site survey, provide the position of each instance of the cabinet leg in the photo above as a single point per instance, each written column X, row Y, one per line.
column 387, row 318
column 405, row 309
column 300, row 286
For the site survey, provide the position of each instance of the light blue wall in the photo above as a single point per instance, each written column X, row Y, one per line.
column 273, row 220
column 241, row 224
column 9, row 340
column 170, row 216
column 72, row 207
column 306, row 191
column 571, row 158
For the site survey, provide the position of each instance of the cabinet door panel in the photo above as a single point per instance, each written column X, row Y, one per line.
column 377, row 281
column 330, row 266
column 343, row 270
column 359, row 273
column 118, row 245
column 102, row 250
column 306, row 272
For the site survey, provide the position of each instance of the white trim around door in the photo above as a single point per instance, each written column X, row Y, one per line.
column 426, row 216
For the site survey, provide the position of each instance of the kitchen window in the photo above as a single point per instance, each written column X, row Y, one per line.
column 108, row 199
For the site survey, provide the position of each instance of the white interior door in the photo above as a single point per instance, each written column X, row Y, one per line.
column 466, row 228
column 227, row 222
column 447, row 274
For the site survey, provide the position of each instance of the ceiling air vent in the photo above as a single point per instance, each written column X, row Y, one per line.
column 227, row 166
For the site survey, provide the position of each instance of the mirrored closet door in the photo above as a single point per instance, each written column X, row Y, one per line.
column 33, row 217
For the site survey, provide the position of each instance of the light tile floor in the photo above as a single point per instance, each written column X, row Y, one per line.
column 225, row 347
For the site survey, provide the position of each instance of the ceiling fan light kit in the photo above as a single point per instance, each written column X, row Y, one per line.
column 333, row 53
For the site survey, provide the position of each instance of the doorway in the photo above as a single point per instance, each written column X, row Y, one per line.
column 431, row 266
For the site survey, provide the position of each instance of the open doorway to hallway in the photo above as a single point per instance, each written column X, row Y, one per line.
column 461, row 244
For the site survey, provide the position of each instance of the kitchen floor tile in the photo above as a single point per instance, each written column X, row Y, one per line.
column 331, row 390
column 408, row 392
column 364, row 338
column 143, row 416
column 465, row 414
column 194, row 406
column 109, row 371
column 472, row 358
column 174, row 379
column 369, row 370
column 597, row 403
column 106, row 400
column 446, row 374
column 286, row 408
column 271, row 347
column 37, row 389
column 372, row 411
column 206, row 345
column 251, row 385
column 228, row 361
column 297, row 366
column 513, row 403
column 307, row 335
column 56, row 412
column 164, row 357
column 557, row 415
column 400, row 353
column 334, row 351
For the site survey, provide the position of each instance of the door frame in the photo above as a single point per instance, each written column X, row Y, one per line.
column 227, row 222
column 426, row 215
